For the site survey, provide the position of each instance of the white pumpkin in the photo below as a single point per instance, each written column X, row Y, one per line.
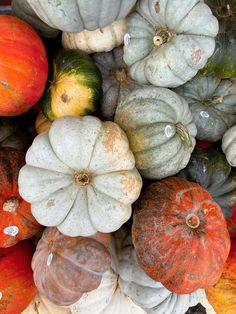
column 99, row 40
column 80, row 176
column 41, row 305
column 229, row 145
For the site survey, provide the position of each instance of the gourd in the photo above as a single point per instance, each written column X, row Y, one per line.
column 229, row 145
column 213, row 105
column 16, row 221
column 210, row 169
column 168, row 42
column 65, row 267
column 42, row 123
column 76, row 15
column 160, row 130
column 23, row 74
column 99, row 40
column 180, row 235
column 76, row 86
column 80, row 176
column 116, row 83
column 17, row 287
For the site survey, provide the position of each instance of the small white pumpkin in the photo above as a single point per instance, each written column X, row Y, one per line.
column 80, row 176
column 99, row 40
column 229, row 145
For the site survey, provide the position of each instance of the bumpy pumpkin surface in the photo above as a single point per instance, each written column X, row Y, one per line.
column 66, row 267
column 222, row 295
column 180, row 235
column 80, row 176
column 151, row 295
column 213, row 105
column 160, row 130
column 229, row 145
column 116, row 83
column 16, row 221
column 17, row 287
column 168, row 41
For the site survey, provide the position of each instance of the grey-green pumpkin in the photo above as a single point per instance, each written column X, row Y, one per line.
column 212, row 102
column 160, row 130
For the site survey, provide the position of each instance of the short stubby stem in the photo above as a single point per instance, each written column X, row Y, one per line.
column 121, row 75
column 192, row 221
column 213, row 101
column 162, row 36
column 11, row 205
column 184, row 135
column 82, row 178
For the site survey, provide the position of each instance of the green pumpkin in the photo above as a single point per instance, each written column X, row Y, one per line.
column 210, row 169
column 223, row 61
column 75, row 88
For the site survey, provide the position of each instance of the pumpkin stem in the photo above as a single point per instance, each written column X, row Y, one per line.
column 214, row 101
column 184, row 135
column 162, row 36
column 82, row 178
column 11, row 205
column 192, row 221
column 121, row 75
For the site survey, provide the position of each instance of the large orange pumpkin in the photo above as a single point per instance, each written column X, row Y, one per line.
column 17, row 287
column 180, row 235
column 223, row 295
column 23, row 66
column 16, row 221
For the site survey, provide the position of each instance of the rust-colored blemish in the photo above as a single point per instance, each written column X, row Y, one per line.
column 113, row 133
column 65, row 98
column 157, row 7
column 50, row 203
column 196, row 56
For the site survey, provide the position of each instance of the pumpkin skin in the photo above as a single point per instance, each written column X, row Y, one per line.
column 16, row 221
column 99, row 40
column 210, row 169
column 185, row 248
column 167, row 44
column 65, row 267
column 213, row 105
column 160, row 130
column 222, row 295
column 116, row 83
column 76, row 87
column 24, row 66
column 42, row 124
column 78, row 15
column 80, row 161
column 229, row 145
column 16, row 280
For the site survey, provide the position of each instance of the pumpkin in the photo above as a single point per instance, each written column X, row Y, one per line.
column 229, row 145
column 42, row 124
column 222, row 63
column 160, row 130
column 76, row 86
column 151, row 295
column 77, row 15
column 65, row 267
column 210, row 169
column 167, row 44
column 116, row 83
column 180, row 235
column 16, row 221
column 222, row 295
column 23, row 69
column 80, row 176
column 101, row 39
column 17, row 287
column 213, row 105
column 41, row 305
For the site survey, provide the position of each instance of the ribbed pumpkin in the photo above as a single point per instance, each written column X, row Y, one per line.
column 16, row 221
column 23, row 69
column 42, row 124
column 180, row 235
column 229, row 145
column 223, row 295
column 17, row 287
column 66, row 267
column 76, row 86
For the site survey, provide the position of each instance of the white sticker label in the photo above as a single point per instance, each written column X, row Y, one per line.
column 0, row 295
column 168, row 131
column 204, row 114
column 127, row 39
column 49, row 260
column 11, row 231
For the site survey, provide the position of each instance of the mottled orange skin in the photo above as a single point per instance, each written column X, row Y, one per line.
column 183, row 259
column 23, row 66
column 11, row 162
column 223, row 295
column 16, row 278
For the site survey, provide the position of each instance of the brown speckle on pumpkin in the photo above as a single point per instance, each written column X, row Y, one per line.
column 5, row 84
column 157, row 7
column 50, row 203
column 196, row 56
column 65, row 98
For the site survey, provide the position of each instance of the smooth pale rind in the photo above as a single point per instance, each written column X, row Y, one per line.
column 229, row 145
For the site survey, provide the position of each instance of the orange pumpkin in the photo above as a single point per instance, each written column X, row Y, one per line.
column 223, row 295
column 180, row 235
column 16, row 221
column 17, row 287
column 23, row 67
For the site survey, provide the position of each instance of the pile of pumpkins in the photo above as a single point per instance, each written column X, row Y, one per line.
column 118, row 156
